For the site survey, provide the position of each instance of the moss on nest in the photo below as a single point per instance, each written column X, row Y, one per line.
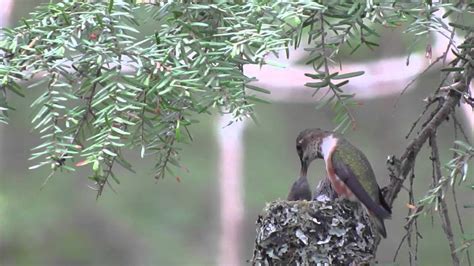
column 320, row 232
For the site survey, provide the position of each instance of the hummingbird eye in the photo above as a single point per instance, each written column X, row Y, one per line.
column 299, row 148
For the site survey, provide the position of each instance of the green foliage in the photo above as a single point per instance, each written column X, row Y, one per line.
column 106, row 89
column 109, row 87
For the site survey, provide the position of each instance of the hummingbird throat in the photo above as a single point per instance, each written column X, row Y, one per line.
column 328, row 145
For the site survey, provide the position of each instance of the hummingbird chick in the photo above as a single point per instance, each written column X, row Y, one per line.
column 300, row 190
column 348, row 171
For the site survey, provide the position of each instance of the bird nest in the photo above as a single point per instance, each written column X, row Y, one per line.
column 318, row 232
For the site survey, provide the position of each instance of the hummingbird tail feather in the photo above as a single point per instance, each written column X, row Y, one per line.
column 381, row 227
column 378, row 222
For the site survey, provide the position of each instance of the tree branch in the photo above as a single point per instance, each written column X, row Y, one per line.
column 401, row 168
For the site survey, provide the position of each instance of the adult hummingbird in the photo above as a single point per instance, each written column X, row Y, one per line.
column 348, row 170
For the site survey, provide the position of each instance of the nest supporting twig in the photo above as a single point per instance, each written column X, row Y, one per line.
column 319, row 232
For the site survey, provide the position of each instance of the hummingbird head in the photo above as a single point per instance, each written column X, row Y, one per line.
column 308, row 146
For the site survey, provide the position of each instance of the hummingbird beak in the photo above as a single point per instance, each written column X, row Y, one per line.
column 304, row 168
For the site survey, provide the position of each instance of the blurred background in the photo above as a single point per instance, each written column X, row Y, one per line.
column 186, row 221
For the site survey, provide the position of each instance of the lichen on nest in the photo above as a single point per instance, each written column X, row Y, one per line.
column 320, row 232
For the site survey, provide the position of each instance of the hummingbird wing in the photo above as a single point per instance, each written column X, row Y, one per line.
column 346, row 174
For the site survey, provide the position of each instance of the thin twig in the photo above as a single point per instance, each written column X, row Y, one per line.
column 399, row 247
column 412, row 252
column 326, row 69
column 142, row 125
column 164, row 163
column 443, row 208
column 427, row 106
column 411, row 221
column 453, row 188
column 415, row 79
column 417, row 241
column 410, row 248
column 451, row 39
column 88, row 109
column 440, row 101
column 102, row 183
column 459, row 126
column 461, row 226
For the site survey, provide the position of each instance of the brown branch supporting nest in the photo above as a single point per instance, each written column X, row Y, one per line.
column 334, row 232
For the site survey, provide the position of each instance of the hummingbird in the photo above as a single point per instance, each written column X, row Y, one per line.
column 348, row 171
column 300, row 189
